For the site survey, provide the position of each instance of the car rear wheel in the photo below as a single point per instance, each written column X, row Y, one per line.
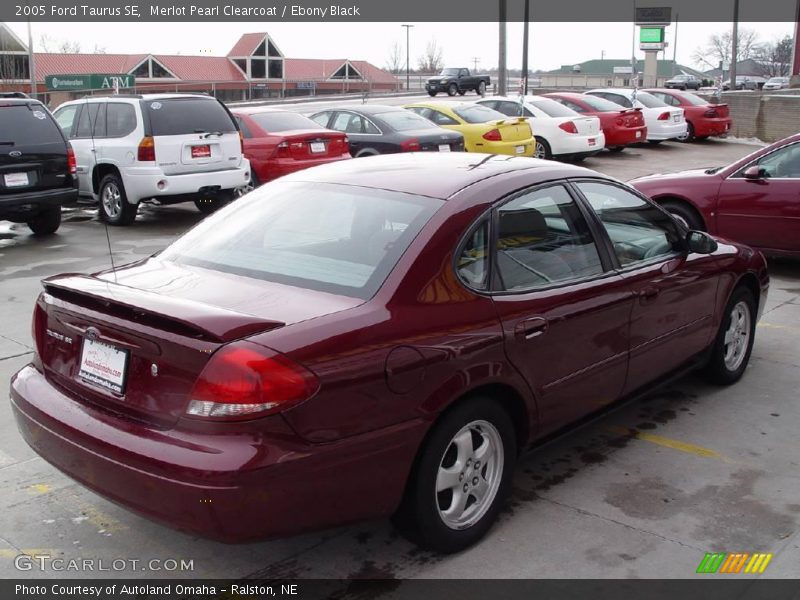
column 655, row 142
column 462, row 92
column 366, row 152
column 46, row 222
column 482, row 88
column 461, row 478
column 689, row 135
column 452, row 89
column 734, row 342
column 114, row 206
column 617, row 149
column 542, row 149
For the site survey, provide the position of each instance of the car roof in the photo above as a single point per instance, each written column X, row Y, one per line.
column 442, row 104
column 116, row 97
column 430, row 173
column 254, row 110
column 624, row 91
column 19, row 101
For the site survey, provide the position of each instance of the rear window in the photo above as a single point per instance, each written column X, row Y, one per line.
column 334, row 238
column 283, row 121
column 478, row 114
column 649, row 100
column 179, row 116
column 404, row 120
column 694, row 99
column 551, row 108
column 24, row 124
column 601, row 104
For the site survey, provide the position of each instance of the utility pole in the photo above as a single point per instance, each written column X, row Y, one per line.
column 408, row 56
column 31, row 66
column 675, row 46
column 475, row 60
column 501, row 58
column 795, row 72
column 734, row 43
column 525, row 32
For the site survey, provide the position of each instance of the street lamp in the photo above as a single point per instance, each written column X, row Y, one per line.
column 408, row 54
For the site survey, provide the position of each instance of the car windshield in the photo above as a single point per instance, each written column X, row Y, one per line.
column 283, row 121
column 475, row 113
column 694, row 99
column 551, row 108
column 405, row 120
column 449, row 73
column 180, row 116
column 649, row 101
column 341, row 239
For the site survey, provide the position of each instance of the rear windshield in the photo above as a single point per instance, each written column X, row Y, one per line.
column 23, row 124
column 405, row 120
column 179, row 116
column 601, row 104
column 649, row 101
column 694, row 99
column 334, row 238
column 551, row 108
column 283, row 121
column 476, row 113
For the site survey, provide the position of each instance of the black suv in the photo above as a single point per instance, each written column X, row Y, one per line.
column 37, row 165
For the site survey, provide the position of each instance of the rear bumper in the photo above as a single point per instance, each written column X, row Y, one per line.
column 625, row 136
column 269, row 170
column 708, row 126
column 34, row 202
column 666, row 131
column 143, row 182
column 222, row 484
column 579, row 145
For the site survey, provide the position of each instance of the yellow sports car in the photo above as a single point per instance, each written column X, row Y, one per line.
column 484, row 129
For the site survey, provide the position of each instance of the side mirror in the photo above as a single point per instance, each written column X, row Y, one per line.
column 699, row 242
column 755, row 173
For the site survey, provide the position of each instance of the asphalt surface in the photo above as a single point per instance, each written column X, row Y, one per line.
column 643, row 492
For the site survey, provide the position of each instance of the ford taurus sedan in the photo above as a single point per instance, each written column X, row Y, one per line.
column 346, row 343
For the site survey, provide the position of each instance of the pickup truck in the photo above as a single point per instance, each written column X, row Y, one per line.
column 457, row 81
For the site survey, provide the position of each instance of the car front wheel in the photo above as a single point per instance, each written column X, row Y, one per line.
column 452, row 89
column 461, row 478
column 734, row 342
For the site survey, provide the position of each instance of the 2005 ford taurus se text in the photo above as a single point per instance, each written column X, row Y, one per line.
column 351, row 342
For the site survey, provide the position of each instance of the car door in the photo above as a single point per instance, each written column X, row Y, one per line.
column 764, row 212
column 77, row 121
column 564, row 312
column 674, row 292
column 114, row 145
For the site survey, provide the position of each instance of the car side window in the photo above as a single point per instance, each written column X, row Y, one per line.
column 120, row 119
column 784, row 163
column 441, row 119
column 87, row 120
column 342, row 121
column 100, row 121
column 510, row 109
column 472, row 265
column 543, row 238
column 368, row 126
column 65, row 117
column 322, row 118
column 638, row 230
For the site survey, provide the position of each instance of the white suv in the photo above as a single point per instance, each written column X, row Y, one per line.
column 163, row 148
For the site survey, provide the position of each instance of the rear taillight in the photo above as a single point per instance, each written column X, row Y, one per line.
column 241, row 143
column 493, row 136
column 711, row 113
column 247, row 381
column 620, row 122
column 72, row 164
column 663, row 116
column 410, row 145
column 38, row 324
column 147, row 150
column 568, row 126
column 282, row 150
column 346, row 142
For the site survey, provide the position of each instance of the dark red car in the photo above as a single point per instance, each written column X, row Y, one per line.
column 351, row 342
column 755, row 200
column 703, row 119
column 278, row 142
column 621, row 126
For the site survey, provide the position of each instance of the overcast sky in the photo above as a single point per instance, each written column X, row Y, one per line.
column 551, row 45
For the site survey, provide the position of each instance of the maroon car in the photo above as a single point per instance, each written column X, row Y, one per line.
column 348, row 342
column 755, row 200
column 621, row 126
column 703, row 119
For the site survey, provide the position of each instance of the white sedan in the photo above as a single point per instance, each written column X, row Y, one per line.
column 560, row 132
column 664, row 122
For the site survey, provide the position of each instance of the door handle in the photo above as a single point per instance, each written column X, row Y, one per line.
column 648, row 293
column 531, row 328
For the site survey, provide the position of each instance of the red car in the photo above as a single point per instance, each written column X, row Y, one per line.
column 703, row 119
column 621, row 126
column 755, row 200
column 350, row 342
column 278, row 142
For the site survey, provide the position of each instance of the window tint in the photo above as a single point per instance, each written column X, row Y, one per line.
column 783, row 163
column 620, row 99
column 120, row 119
column 570, row 105
column 543, row 238
column 695, row 99
column 25, row 124
column 637, row 229
column 321, row 118
column 666, row 98
column 439, row 118
column 404, row 120
column 551, row 108
column 475, row 113
column 649, row 101
column 337, row 238
column 282, row 121
column 65, row 117
column 601, row 104
column 509, row 109
column 353, row 123
column 87, row 120
column 179, row 116
column 472, row 265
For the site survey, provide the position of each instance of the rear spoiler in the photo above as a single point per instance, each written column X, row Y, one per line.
column 627, row 110
column 511, row 121
column 180, row 316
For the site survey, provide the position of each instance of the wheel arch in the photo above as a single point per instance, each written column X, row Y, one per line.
column 101, row 170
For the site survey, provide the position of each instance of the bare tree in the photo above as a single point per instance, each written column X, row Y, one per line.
column 775, row 58
column 13, row 62
column 431, row 60
column 395, row 62
column 719, row 45
column 69, row 47
column 59, row 46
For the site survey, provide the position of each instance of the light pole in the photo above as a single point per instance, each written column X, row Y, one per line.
column 408, row 55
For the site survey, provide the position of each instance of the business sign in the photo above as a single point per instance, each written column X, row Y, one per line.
column 623, row 70
column 653, row 16
column 88, row 81
column 651, row 35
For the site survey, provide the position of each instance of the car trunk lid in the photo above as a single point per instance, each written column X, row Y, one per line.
column 515, row 129
column 312, row 143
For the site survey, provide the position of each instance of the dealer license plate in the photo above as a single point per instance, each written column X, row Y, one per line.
column 104, row 365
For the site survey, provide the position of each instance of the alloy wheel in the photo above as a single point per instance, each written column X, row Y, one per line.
column 737, row 336
column 112, row 200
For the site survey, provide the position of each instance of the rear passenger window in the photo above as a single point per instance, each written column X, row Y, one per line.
column 543, row 239
column 87, row 120
column 472, row 265
column 120, row 119
column 441, row 119
column 65, row 117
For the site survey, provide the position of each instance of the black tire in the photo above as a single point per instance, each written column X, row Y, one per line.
column 114, row 207
column 46, row 222
column 432, row 93
column 419, row 517
column 689, row 137
column 616, row 149
column 718, row 370
column 481, row 88
column 654, row 142
column 211, row 204
column 452, row 89
column 542, row 147
column 685, row 213
column 462, row 92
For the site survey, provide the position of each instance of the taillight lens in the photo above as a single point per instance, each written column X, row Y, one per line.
column 711, row 113
column 247, row 381
column 38, row 325
column 147, row 150
column 346, row 142
column 493, row 136
column 619, row 122
column 282, row 150
column 410, row 145
column 72, row 164
column 568, row 126
column 241, row 142
column 663, row 116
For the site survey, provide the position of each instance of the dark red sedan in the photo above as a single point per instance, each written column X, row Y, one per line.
column 278, row 142
column 350, row 342
column 703, row 119
column 755, row 200
column 621, row 126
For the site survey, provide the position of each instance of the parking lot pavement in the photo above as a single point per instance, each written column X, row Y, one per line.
column 642, row 492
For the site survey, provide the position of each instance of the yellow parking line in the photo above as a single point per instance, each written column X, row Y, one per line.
column 39, row 488
column 777, row 326
column 11, row 553
column 103, row 521
column 674, row 444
